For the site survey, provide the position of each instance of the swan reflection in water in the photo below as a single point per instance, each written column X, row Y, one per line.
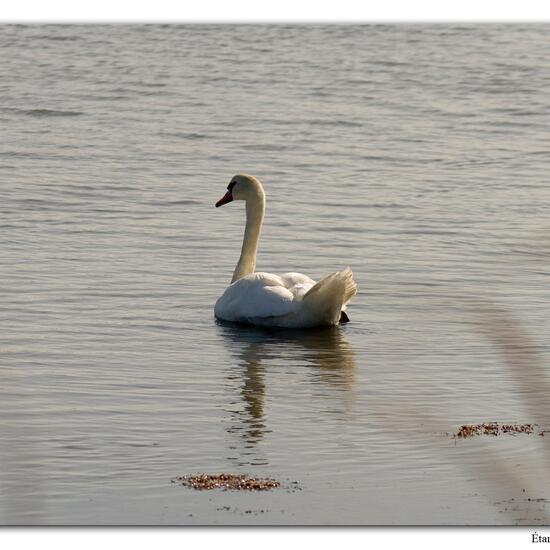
column 326, row 355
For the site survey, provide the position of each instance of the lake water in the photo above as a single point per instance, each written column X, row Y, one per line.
column 417, row 154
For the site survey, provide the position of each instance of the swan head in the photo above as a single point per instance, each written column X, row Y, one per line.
column 241, row 188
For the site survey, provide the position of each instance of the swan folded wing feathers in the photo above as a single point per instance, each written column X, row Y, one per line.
column 345, row 276
column 328, row 298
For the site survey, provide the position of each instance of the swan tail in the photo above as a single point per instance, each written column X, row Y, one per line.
column 324, row 301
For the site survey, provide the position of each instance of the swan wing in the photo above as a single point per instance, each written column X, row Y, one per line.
column 256, row 296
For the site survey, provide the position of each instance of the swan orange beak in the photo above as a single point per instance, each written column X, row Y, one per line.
column 228, row 197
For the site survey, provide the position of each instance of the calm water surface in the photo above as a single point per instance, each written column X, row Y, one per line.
column 419, row 155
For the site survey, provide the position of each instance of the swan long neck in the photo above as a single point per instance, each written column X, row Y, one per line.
column 255, row 207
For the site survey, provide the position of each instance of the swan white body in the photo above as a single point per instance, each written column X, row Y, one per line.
column 291, row 300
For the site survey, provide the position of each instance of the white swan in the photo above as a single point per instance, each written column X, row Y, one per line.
column 291, row 300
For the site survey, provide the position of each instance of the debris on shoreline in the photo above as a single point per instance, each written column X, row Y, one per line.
column 233, row 482
column 494, row 428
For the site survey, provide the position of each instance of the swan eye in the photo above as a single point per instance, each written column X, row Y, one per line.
column 231, row 185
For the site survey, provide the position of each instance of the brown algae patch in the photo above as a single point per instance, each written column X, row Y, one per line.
column 494, row 428
column 232, row 482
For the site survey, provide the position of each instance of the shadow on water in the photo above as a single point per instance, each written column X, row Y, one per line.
column 326, row 355
column 521, row 354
